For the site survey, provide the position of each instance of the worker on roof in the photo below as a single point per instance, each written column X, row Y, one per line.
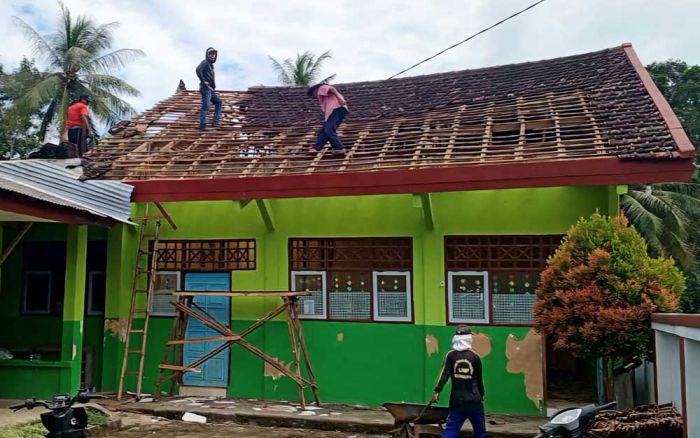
column 463, row 366
column 78, row 124
column 335, row 108
column 207, row 88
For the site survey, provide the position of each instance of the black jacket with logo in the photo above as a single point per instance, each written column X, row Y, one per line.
column 464, row 368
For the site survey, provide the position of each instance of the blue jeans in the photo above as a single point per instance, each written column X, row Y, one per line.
column 455, row 422
column 327, row 132
column 209, row 95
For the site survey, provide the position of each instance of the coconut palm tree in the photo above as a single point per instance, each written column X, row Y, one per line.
column 78, row 60
column 666, row 215
column 305, row 69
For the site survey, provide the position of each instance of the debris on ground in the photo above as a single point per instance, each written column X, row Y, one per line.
column 661, row 421
column 194, row 418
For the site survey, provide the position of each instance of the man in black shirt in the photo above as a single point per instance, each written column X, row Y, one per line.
column 207, row 88
column 467, row 396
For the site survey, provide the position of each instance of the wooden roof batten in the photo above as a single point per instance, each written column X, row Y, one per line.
column 566, row 114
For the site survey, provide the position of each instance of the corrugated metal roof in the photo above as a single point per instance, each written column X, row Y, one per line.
column 53, row 183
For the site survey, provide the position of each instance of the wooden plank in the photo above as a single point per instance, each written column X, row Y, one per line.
column 209, row 339
column 15, row 242
column 166, row 366
column 165, row 214
column 190, row 293
column 266, row 213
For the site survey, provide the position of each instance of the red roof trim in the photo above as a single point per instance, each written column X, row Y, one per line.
column 27, row 206
column 685, row 146
column 591, row 171
column 685, row 319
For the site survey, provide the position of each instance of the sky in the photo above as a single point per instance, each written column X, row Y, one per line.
column 369, row 40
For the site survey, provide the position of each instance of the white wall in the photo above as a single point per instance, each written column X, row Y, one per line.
column 668, row 369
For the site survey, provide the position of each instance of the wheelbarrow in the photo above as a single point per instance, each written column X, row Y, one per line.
column 413, row 420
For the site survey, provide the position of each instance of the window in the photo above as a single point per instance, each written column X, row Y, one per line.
column 43, row 276
column 37, row 292
column 514, row 295
column 392, row 297
column 353, row 279
column 350, row 295
column 164, row 286
column 467, row 296
column 95, row 281
column 312, row 306
column 96, row 293
column 494, row 278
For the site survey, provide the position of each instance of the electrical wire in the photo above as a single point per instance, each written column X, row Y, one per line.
column 467, row 39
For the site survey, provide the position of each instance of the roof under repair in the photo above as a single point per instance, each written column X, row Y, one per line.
column 599, row 105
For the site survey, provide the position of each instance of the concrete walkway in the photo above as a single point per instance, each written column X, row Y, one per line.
column 19, row 418
column 358, row 419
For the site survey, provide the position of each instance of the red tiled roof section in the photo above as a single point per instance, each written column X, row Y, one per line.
column 583, row 106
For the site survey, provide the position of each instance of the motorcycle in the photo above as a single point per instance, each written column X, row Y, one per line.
column 572, row 422
column 63, row 420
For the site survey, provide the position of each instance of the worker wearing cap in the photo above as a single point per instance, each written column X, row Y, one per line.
column 78, row 125
column 463, row 366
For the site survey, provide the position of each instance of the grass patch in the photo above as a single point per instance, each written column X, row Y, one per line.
column 95, row 418
column 33, row 430
column 25, row 431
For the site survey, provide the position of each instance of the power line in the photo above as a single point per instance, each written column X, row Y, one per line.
column 467, row 39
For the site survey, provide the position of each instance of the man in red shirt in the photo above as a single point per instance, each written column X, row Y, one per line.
column 334, row 110
column 78, row 125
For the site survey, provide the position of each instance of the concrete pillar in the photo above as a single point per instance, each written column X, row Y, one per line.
column 73, row 307
column 692, row 385
column 122, row 246
column 668, row 369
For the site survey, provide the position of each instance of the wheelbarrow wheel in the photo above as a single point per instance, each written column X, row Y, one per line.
column 404, row 431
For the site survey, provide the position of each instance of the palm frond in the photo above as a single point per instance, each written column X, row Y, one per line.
column 116, row 60
column 646, row 222
column 281, row 71
column 111, row 85
column 41, row 49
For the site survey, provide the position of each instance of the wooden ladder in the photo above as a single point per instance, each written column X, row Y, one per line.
column 138, row 337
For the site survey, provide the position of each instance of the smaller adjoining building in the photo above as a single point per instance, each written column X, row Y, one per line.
column 52, row 270
column 677, row 338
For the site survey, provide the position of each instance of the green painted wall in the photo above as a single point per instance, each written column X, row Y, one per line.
column 374, row 362
column 58, row 370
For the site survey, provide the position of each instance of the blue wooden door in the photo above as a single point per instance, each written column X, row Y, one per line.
column 215, row 370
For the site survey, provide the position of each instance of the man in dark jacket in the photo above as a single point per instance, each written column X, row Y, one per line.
column 207, row 88
column 467, row 396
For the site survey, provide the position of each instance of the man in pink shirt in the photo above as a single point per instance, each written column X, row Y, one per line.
column 334, row 109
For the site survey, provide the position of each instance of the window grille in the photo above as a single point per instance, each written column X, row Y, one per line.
column 392, row 296
column 164, row 286
column 467, row 296
column 312, row 306
column 205, row 255
column 514, row 296
column 350, row 295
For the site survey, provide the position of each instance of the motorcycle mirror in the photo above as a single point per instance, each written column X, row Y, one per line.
column 566, row 417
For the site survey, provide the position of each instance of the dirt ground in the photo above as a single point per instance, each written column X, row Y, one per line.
column 179, row 429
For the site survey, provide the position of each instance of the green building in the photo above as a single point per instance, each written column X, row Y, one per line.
column 454, row 190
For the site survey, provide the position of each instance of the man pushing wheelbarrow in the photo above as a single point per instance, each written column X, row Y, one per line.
column 463, row 366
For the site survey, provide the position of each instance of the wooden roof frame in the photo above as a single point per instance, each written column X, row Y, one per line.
column 560, row 170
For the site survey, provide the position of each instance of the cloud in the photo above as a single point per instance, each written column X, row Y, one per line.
column 369, row 40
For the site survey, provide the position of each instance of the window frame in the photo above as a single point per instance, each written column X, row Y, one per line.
column 324, row 290
column 90, row 279
column 375, row 297
column 48, row 310
column 173, row 313
column 487, row 297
